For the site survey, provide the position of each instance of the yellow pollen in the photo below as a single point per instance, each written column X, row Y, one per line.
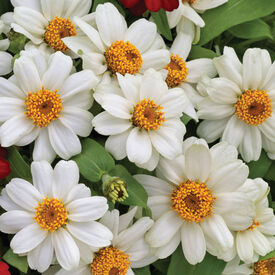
column 265, row 267
column 43, row 107
column 58, row 29
column 192, row 201
column 147, row 115
column 254, row 107
column 254, row 225
column 51, row 214
column 124, row 58
column 110, row 261
column 177, row 71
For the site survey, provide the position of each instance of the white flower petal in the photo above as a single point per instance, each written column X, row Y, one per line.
column 269, row 82
column 36, row 39
column 13, row 221
column 28, row 238
column 152, row 163
column 95, row 62
column 268, row 128
column 159, row 205
column 164, row 229
column 78, row 8
column 7, row 203
column 87, row 209
column 111, row 221
column 91, row 233
column 51, row 9
column 59, row 69
column 139, row 250
column 24, row 194
column 9, row 89
column 29, row 138
column 244, row 246
column 42, row 175
column 66, row 176
column 178, row 49
column 138, row 146
column 5, row 63
column 66, row 250
column 10, row 107
column 260, row 243
column 32, row 4
column 192, row 15
column 197, row 162
column 156, row 59
column 193, row 242
column 126, row 219
column 63, row 140
column 79, row 191
column 110, row 23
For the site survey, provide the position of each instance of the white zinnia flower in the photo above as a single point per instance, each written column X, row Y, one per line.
column 142, row 119
column 44, row 102
column 186, row 74
column 48, row 21
column 110, row 46
column 240, row 103
column 49, row 217
column 258, row 238
column 197, row 203
column 189, row 10
column 128, row 248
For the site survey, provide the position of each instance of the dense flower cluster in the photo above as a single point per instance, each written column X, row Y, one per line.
column 198, row 194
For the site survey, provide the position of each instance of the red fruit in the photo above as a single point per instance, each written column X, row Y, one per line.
column 4, row 269
column 4, row 169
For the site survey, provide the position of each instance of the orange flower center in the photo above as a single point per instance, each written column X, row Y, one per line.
column 110, row 261
column 147, row 115
column 51, row 214
column 192, row 201
column 189, row 1
column 265, row 267
column 177, row 71
column 124, row 58
column 254, row 107
column 43, row 107
column 58, row 29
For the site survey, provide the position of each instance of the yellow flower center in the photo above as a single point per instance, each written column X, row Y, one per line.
column 124, row 58
column 254, row 107
column 147, row 115
column 254, row 225
column 189, row 1
column 177, row 71
column 43, row 107
column 265, row 267
column 51, row 214
column 110, row 261
column 58, row 29
column 193, row 201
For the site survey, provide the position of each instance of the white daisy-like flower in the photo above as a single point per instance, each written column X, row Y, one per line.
column 128, row 248
column 48, row 21
column 258, row 239
column 5, row 57
column 143, row 121
column 196, row 203
column 51, row 216
column 110, row 46
column 189, row 10
column 44, row 102
column 186, row 74
column 240, row 103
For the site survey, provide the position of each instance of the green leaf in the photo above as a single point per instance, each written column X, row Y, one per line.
column 94, row 161
column 260, row 167
column 233, row 13
column 17, row 42
column 209, row 266
column 270, row 174
column 162, row 265
column 160, row 18
column 267, row 256
column 5, row 6
column 185, row 119
column 136, row 192
column 142, row 271
column 200, row 52
column 18, row 262
column 19, row 168
column 252, row 29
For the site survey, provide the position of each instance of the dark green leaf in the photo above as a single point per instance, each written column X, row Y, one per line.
column 162, row 265
column 270, row 174
column 260, row 167
column 136, row 192
column 200, row 52
column 19, row 168
column 142, row 271
column 209, row 266
column 233, row 13
column 17, row 42
column 18, row 262
column 252, row 29
column 160, row 18
column 94, row 161
column 5, row 6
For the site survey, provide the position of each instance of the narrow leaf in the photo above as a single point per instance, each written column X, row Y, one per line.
column 160, row 18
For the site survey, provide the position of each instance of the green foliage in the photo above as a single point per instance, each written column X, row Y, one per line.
column 137, row 194
column 209, row 266
column 94, row 161
column 200, row 52
column 19, row 168
column 160, row 18
column 233, row 13
column 5, row 6
column 17, row 42
column 18, row 262
column 142, row 271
